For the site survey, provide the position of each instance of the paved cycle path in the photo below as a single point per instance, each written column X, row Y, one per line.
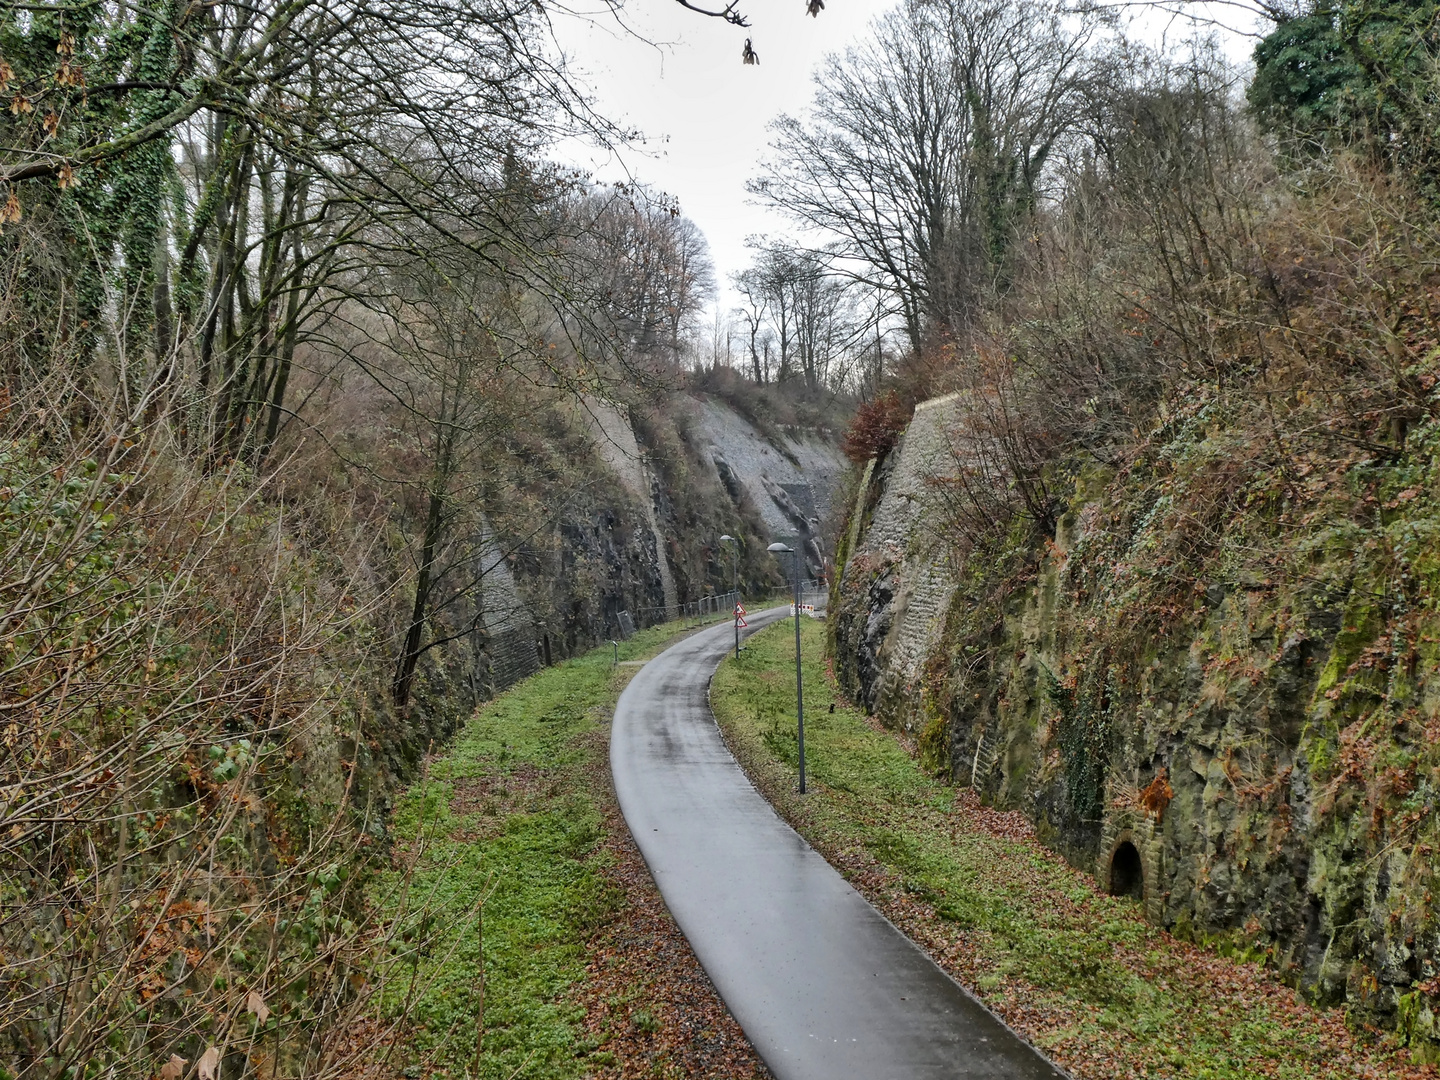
column 824, row 986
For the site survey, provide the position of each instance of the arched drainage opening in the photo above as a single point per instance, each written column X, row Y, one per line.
column 1127, row 877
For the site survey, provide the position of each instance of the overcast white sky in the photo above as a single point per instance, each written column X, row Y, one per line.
column 704, row 113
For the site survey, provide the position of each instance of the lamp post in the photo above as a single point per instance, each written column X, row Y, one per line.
column 782, row 549
column 734, row 585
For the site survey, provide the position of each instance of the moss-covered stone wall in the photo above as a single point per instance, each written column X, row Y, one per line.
column 1223, row 660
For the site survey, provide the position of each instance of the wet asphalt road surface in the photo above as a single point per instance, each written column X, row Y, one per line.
column 824, row 986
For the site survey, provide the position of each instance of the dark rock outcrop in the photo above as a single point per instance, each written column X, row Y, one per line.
column 1253, row 750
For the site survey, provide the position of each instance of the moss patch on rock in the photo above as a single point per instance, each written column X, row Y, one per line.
column 1079, row 973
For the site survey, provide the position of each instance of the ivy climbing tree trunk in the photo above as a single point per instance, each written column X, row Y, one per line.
column 425, row 573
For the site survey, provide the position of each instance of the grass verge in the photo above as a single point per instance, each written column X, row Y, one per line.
column 513, row 838
column 1079, row 974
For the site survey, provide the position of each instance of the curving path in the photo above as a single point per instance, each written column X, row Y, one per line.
column 824, row 986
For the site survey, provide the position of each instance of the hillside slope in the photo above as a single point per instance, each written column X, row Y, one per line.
column 204, row 744
column 1214, row 686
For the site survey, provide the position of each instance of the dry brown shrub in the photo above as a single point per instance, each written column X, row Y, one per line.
column 185, row 787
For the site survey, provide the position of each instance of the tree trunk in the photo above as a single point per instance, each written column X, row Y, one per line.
column 410, row 654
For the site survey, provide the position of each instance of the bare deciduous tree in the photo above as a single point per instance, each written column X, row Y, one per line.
column 792, row 299
column 927, row 146
column 643, row 270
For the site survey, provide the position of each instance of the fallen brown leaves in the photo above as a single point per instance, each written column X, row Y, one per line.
column 489, row 800
column 647, row 1001
column 971, row 813
column 1174, row 1010
column 367, row 1047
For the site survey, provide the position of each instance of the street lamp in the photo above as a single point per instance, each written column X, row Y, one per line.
column 734, row 585
column 786, row 549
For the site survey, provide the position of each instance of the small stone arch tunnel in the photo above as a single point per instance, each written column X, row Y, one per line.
column 1127, row 871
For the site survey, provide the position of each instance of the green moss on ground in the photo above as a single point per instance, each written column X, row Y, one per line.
column 512, row 814
column 1079, row 973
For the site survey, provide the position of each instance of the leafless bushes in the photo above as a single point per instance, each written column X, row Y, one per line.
column 171, row 663
column 1177, row 265
column 1000, row 452
column 193, row 654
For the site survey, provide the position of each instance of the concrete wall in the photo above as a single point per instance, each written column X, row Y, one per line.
column 902, row 563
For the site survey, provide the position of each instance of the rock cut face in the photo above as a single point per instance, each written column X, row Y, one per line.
column 1240, row 737
column 791, row 480
column 899, row 578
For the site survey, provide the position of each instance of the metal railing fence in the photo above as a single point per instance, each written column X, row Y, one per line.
column 704, row 607
column 814, row 597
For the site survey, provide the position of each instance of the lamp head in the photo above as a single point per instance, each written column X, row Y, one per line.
column 780, row 549
column 727, row 539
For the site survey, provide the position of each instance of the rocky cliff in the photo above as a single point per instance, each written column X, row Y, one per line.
column 1213, row 684
column 789, row 478
column 646, row 494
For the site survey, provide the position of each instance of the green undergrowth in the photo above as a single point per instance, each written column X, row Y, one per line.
column 510, row 814
column 1081, row 973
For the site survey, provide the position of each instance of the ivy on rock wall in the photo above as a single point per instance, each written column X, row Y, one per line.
column 1192, row 629
column 1228, row 658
